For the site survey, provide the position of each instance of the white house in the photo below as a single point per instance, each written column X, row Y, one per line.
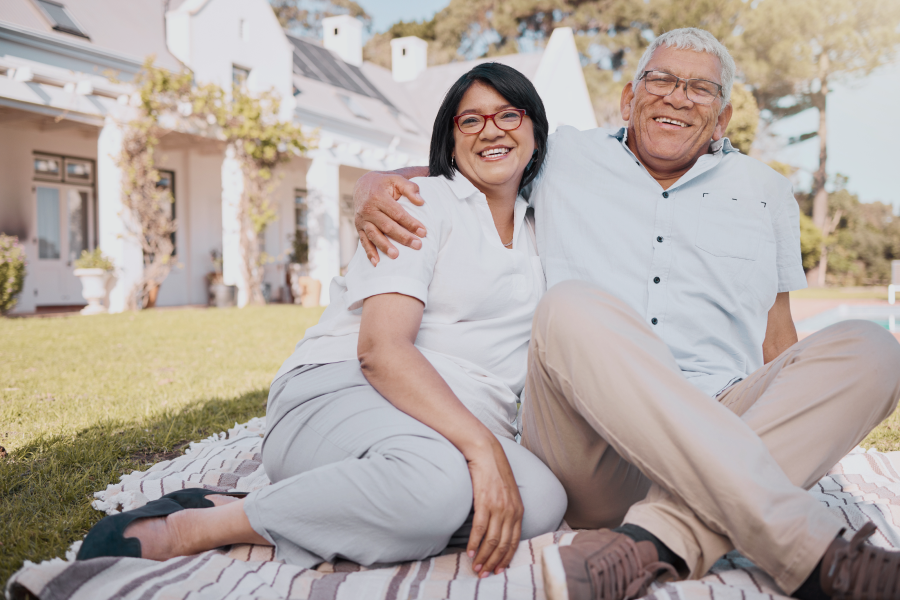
column 61, row 116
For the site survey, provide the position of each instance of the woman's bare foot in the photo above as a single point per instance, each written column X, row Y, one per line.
column 159, row 536
column 195, row 530
column 220, row 500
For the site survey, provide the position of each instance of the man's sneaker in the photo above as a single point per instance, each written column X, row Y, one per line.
column 855, row 570
column 601, row 565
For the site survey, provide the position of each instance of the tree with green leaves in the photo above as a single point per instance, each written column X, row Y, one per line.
column 863, row 239
column 305, row 17
column 745, row 119
column 378, row 48
column 792, row 51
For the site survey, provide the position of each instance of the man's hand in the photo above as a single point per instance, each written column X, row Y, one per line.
column 379, row 217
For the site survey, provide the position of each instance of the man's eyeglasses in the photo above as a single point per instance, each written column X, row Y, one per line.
column 507, row 120
column 699, row 91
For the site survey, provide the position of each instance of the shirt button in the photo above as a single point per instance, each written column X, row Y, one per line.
column 656, row 280
column 665, row 194
column 654, row 320
column 659, row 239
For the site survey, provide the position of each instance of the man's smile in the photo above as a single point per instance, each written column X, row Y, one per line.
column 668, row 121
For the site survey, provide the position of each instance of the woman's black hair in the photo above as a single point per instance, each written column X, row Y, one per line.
column 510, row 84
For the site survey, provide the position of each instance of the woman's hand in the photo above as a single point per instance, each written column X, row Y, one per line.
column 497, row 525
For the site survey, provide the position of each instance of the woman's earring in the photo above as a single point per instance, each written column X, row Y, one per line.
column 453, row 162
column 531, row 162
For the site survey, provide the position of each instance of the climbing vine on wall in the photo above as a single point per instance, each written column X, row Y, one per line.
column 167, row 101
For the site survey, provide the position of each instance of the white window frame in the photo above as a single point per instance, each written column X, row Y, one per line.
column 49, row 177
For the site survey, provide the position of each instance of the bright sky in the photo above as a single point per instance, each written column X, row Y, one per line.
column 863, row 137
column 387, row 12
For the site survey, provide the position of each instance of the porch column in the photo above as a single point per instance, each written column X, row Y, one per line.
column 323, row 216
column 232, row 191
column 116, row 224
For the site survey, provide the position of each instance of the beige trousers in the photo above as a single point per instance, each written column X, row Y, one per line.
column 608, row 410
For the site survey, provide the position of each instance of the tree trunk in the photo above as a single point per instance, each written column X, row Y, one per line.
column 820, row 198
column 251, row 265
column 822, row 267
column 152, row 293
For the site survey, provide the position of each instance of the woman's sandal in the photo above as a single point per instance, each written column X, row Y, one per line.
column 196, row 497
column 106, row 538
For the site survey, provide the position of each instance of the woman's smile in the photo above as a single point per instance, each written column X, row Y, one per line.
column 494, row 153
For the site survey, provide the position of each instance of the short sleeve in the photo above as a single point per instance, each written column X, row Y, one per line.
column 789, row 261
column 411, row 272
column 528, row 192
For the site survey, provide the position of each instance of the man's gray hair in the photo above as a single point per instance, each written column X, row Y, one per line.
column 698, row 40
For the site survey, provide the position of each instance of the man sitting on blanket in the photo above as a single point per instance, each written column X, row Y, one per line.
column 666, row 386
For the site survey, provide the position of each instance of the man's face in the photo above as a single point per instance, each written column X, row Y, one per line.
column 666, row 147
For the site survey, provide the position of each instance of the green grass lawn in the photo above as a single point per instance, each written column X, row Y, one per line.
column 843, row 293
column 84, row 400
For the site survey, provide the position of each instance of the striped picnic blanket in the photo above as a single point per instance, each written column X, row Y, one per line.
column 864, row 486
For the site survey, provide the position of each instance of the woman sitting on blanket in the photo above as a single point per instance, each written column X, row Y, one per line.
column 390, row 429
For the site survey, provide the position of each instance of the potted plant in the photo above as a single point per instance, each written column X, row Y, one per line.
column 94, row 269
column 220, row 295
column 12, row 271
column 303, row 289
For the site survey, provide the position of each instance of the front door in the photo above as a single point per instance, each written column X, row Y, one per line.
column 63, row 229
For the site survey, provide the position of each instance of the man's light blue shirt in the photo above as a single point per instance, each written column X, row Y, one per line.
column 701, row 261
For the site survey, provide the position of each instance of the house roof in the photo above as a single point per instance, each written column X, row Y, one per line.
column 315, row 62
column 352, row 101
column 132, row 30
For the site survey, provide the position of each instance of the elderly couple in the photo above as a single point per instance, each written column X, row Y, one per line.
column 666, row 404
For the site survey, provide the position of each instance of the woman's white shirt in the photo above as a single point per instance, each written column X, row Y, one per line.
column 479, row 300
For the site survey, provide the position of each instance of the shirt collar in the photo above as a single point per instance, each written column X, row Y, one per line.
column 723, row 145
column 461, row 186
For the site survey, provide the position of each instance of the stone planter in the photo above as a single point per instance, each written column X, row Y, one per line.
column 305, row 290
column 95, row 284
column 223, row 296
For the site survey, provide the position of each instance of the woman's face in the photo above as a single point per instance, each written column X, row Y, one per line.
column 492, row 159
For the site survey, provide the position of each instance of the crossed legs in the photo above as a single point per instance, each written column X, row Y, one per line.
column 632, row 441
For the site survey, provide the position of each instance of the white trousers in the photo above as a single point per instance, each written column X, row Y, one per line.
column 356, row 478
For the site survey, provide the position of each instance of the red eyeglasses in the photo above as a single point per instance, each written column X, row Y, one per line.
column 506, row 120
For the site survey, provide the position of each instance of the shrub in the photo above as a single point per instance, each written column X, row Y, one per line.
column 12, row 271
column 94, row 260
column 810, row 242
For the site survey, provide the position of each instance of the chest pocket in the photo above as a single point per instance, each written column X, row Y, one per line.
column 729, row 227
